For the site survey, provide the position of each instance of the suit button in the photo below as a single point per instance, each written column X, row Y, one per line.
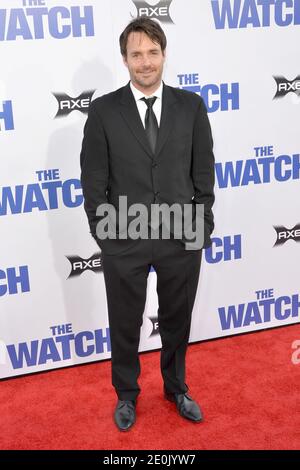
column 157, row 193
column 154, row 165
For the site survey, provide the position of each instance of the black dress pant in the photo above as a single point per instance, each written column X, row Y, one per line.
column 125, row 276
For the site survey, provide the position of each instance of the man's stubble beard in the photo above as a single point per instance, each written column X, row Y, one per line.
column 145, row 84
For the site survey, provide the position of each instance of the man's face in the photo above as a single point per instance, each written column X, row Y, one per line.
column 145, row 61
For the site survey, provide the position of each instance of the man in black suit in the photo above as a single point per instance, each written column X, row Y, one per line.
column 151, row 143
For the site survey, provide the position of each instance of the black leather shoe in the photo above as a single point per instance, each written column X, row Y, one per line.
column 186, row 406
column 125, row 415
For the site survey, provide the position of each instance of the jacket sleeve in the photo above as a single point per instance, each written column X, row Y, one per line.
column 203, row 168
column 94, row 167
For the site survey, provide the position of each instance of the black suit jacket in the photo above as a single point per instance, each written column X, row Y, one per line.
column 116, row 158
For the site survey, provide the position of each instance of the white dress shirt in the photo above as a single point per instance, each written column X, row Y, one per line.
column 141, row 105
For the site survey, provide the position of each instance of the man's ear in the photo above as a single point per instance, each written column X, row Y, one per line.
column 125, row 60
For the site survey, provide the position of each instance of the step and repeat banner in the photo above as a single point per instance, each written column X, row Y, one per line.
column 242, row 57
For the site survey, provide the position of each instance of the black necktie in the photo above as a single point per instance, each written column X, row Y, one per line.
column 151, row 126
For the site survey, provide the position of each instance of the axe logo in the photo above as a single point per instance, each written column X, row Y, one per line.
column 284, row 234
column 160, row 11
column 80, row 265
column 285, row 86
column 66, row 104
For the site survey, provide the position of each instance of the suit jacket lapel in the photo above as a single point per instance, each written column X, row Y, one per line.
column 131, row 115
column 167, row 117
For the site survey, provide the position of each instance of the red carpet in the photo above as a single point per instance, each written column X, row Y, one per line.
column 247, row 386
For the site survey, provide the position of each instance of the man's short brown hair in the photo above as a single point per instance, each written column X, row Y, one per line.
column 143, row 25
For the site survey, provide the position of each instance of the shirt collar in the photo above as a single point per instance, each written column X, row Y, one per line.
column 139, row 94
